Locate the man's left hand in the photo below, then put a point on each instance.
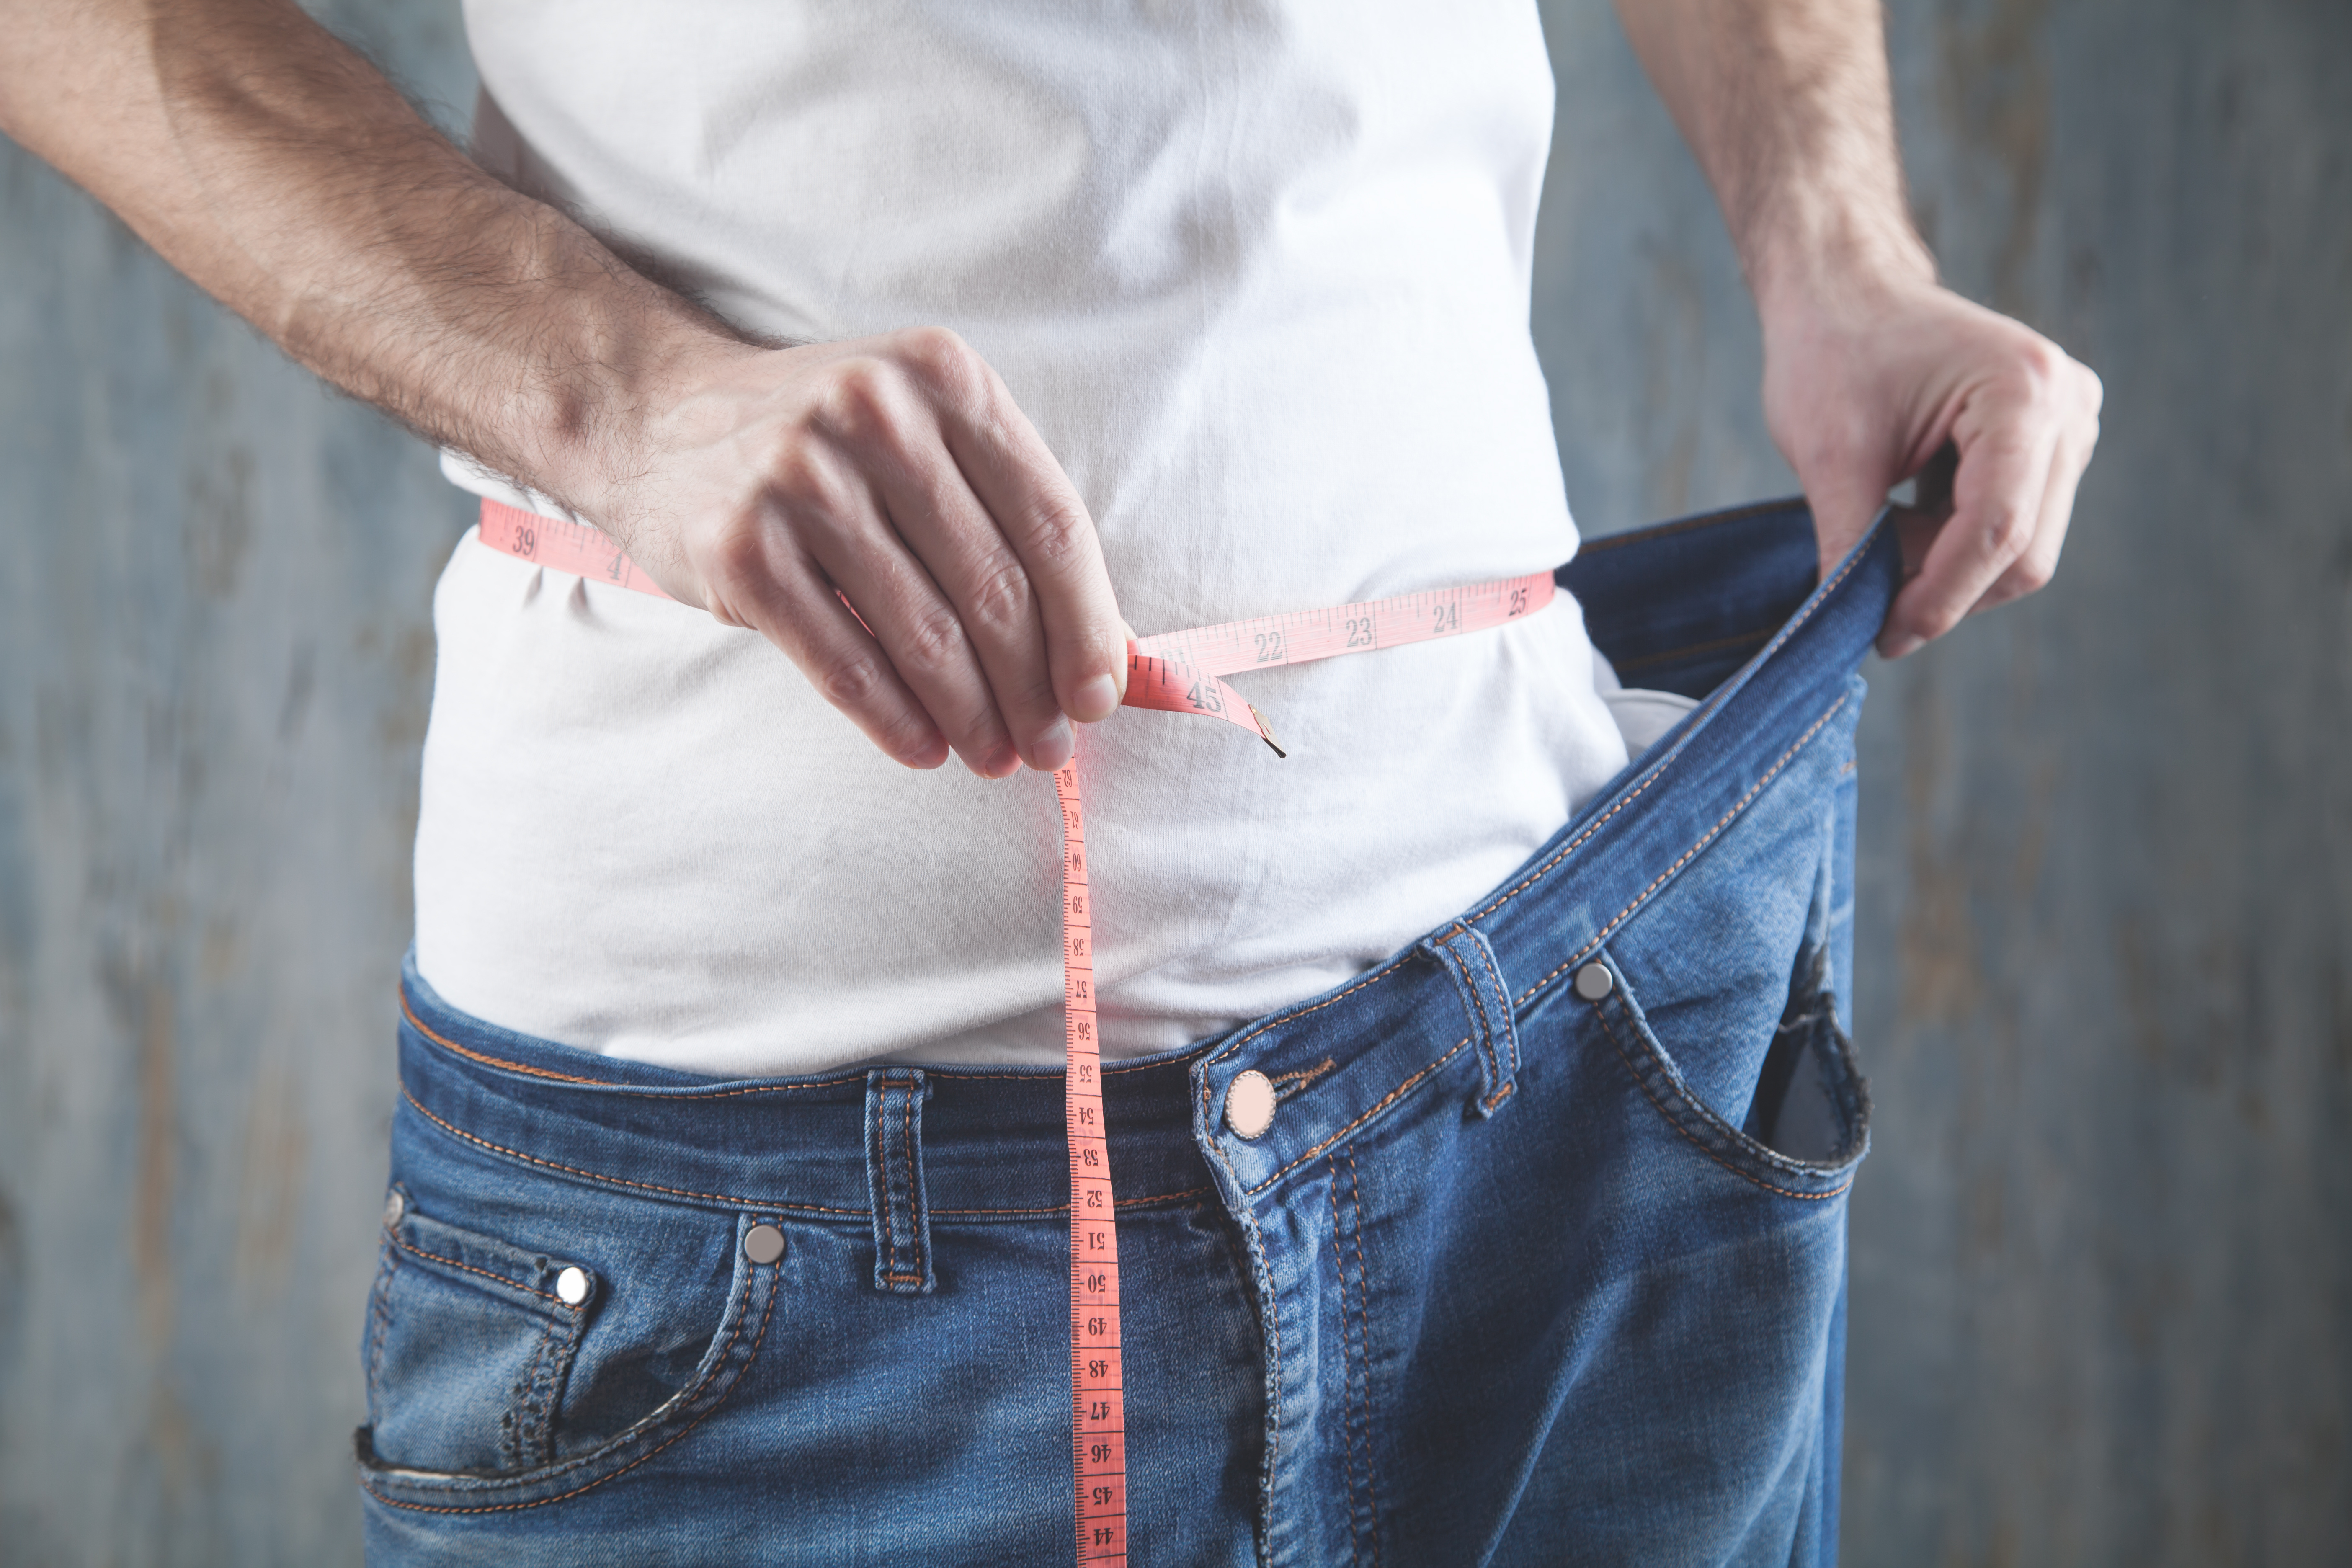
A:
(1863, 388)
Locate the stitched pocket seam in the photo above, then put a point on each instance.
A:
(640, 1432)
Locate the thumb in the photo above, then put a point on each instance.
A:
(1843, 502)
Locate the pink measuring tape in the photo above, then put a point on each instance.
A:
(1176, 672)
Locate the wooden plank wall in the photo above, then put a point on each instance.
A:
(2103, 1252)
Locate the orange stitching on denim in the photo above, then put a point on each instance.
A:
(1270, 1324)
(1577, 842)
(1064, 1208)
(1643, 1083)
(412, 1246)
(681, 1401)
(425, 1029)
(1273, 1324)
(1405, 1087)
(1487, 956)
(914, 1195)
(1474, 1005)
(1507, 1084)
(680, 1095)
(525, 1450)
(1304, 1076)
(621, 1181)
(877, 1151)
(1364, 1316)
(1372, 979)
(1035, 1074)
(1703, 840)
(1820, 596)
(382, 1309)
(761, 1203)
(775, 1289)
(1347, 1420)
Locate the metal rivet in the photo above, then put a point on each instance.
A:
(763, 1244)
(393, 1207)
(1593, 981)
(571, 1286)
(1249, 1103)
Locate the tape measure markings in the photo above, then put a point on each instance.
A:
(564, 546)
(1174, 672)
(1097, 1391)
(1300, 637)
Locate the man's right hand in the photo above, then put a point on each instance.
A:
(768, 485)
(282, 173)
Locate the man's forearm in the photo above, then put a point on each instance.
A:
(269, 162)
(1786, 105)
(284, 175)
(1870, 367)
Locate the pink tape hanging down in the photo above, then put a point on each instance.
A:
(1175, 672)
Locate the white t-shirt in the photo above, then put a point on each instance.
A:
(1261, 279)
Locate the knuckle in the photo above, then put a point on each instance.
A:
(943, 361)
(1001, 603)
(1933, 624)
(1055, 534)
(850, 681)
(905, 737)
(934, 640)
(737, 557)
(2036, 374)
(2033, 572)
(2008, 532)
(865, 406)
(799, 477)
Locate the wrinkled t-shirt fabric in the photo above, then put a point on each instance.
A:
(1261, 279)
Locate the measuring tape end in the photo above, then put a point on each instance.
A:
(1266, 731)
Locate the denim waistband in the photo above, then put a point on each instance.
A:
(1720, 606)
(1714, 608)
(990, 1139)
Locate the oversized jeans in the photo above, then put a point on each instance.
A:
(1542, 1260)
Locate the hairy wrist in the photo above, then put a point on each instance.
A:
(586, 355)
(1823, 257)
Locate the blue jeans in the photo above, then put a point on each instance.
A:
(1541, 1260)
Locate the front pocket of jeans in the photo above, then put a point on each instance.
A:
(1816, 1128)
(471, 1342)
(660, 1356)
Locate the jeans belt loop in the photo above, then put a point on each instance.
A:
(894, 1181)
(1464, 956)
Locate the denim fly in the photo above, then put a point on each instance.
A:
(1540, 1260)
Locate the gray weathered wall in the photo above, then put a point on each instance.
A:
(2102, 1303)
(2103, 1251)
(215, 654)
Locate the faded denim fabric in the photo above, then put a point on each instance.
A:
(1527, 1268)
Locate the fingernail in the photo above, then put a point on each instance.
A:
(1053, 747)
(1095, 699)
(1898, 646)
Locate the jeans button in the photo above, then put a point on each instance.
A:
(1593, 981)
(1249, 1103)
(763, 1244)
(571, 1286)
(393, 1207)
